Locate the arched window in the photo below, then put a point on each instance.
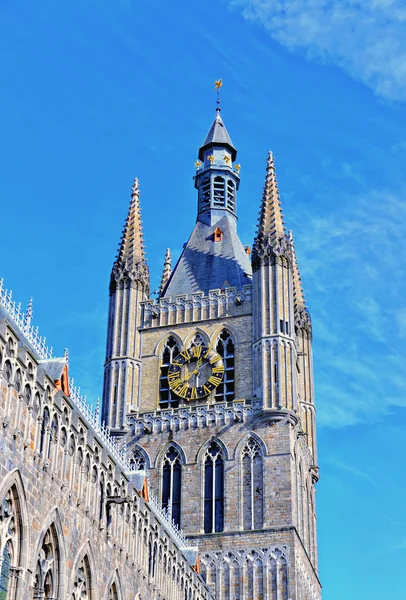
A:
(82, 585)
(166, 396)
(10, 540)
(8, 371)
(27, 394)
(218, 192)
(18, 380)
(10, 347)
(48, 567)
(171, 483)
(44, 427)
(137, 460)
(231, 194)
(53, 434)
(205, 194)
(213, 489)
(198, 341)
(6, 561)
(252, 485)
(113, 593)
(225, 347)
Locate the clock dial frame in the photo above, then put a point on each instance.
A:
(185, 375)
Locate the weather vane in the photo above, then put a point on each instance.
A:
(218, 84)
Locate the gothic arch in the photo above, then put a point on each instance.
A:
(136, 448)
(115, 583)
(84, 553)
(189, 338)
(232, 331)
(202, 450)
(160, 456)
(160, 345)
(244, 440)
(53, 526)
(18, 555)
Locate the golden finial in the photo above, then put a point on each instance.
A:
(218, 84)
(198, 164)
(227, 159)
(237, 168)
(211, 158)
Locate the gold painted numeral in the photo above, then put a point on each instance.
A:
(219, 369)
(214, 380)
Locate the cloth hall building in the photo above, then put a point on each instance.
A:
(196, 479)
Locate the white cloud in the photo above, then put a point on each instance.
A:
(366, 39)
(352, 263)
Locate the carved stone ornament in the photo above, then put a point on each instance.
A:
(303, 320)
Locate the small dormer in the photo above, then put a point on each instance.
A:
(218, 235)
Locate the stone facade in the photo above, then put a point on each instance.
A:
(236, 465)
(75, 521)
(206, 460)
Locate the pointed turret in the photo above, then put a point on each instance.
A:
(273, 304)
(217, 136)
(131, 254)
(129, 285)
(166, 273)
(209, 258)
(270, 225)
(298, 295)
(303, 331)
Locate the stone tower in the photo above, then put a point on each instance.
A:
(129, 286)
(219, 407)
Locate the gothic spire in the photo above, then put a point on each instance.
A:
(298, 295)
(270, 225)
(166, 273)
(131, 251)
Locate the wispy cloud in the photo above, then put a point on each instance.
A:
(353, 264)
(366, 39)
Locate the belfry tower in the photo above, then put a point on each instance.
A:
(212, 383)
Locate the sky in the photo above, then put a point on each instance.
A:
(95, 93)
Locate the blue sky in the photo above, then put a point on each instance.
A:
(96, 93)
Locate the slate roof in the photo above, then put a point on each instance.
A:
(206, 265)
(218, 136)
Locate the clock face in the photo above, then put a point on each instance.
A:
(196, 372)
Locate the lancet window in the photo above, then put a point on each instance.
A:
(44, 428)
(171, 483)
(48, 564)
(167, 397)
(137, 460)
(10, 540)
(225, 347)
(252, 485)
(81, 586)
(213, 489)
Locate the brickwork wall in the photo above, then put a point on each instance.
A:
(260, 559)
(56, 523)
